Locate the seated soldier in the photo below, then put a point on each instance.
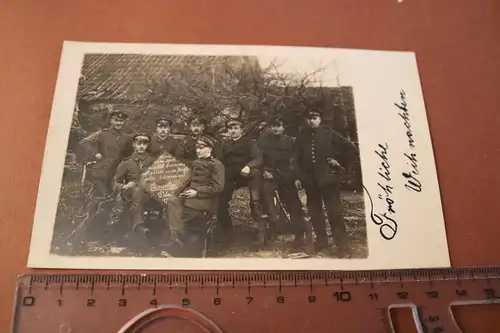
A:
(241, 159)
(127, 180)
(199, 198)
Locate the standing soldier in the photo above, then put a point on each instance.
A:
(127, 182)
(321, 152)
(197, 128)
(242, 160)
(162, 141)
(108, 147)
(280, 175)
(199, 198)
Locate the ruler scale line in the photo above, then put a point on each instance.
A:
(430, 291)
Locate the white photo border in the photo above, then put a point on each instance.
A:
(377, 78)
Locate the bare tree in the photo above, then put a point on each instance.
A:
(248, 92)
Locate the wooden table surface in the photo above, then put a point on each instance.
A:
(458, 51)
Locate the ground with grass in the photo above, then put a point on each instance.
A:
(74, 207)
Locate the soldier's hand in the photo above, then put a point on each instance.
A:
(267, 175)
(298, 185)
(128, 185)
(245, 171)
(98, 156)
(189, 193)
(332, 162)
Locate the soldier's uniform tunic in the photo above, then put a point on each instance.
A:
(278, 158)
(207, 178)
(188, 148)
(130, 170)
(235, 155)
(321, 182)
(159, 145)
(114, 146)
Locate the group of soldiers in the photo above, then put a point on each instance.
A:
(271, 164)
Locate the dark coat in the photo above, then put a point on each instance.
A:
(131, 169)
(113, 145)
(159, 146)
(207, 178)
(278, 154)
(187, 148)
(235, 155)
(314, 147)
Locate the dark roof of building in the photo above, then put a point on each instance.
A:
(125, 76)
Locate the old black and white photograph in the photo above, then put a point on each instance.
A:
(223, 156)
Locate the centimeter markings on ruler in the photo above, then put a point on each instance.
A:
(428, 292)
(269, 278)
(277, 280)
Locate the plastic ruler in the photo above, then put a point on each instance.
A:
(354, 302)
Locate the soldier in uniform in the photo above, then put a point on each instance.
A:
(108, 147)
(127, 182)
(242, 160)
(199, 198)
(279, 175)
(162, 141)
(197, 128)
(321, 153)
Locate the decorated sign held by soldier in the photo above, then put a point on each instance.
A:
(165, 176)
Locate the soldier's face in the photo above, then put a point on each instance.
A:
(196, 129)
(162, 130)
(203, 151)
(140, 146)
(313, 121)
(116, 122)
(277, 129)
(235, 131)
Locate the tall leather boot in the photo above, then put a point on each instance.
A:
(261, 218)
(343, 248)
(256, 208)
(136, 213)
(263, 234)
